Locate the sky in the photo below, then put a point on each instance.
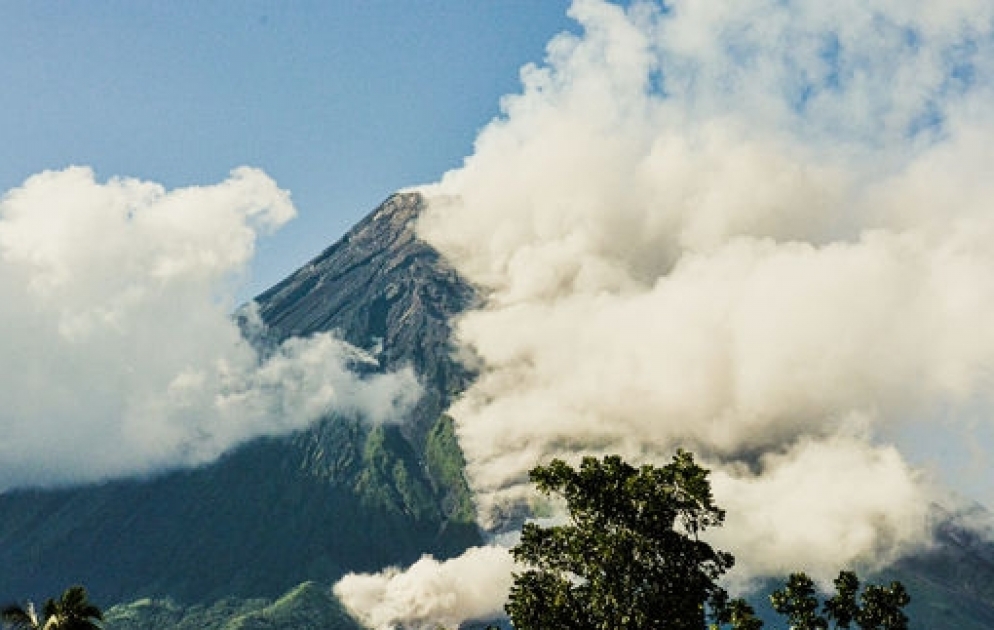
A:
(342, 103)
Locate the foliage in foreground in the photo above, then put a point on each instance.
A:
(631, 558)
(72, 611)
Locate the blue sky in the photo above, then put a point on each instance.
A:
(342, 102)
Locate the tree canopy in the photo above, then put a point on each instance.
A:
(876, 608)
(630, 557)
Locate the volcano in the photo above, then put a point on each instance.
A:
(256, 538)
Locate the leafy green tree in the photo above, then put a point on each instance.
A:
(798, 600)
(737, 613)
(630, 556)
(883, 607)
(877, 608)
(842, 606)
(72, 611)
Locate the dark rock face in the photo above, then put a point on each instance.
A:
(378, 282)
(339, 497)
(381, 286)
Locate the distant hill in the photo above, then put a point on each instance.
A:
(307, 606)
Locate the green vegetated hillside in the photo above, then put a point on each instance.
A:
(338, 498)
(308, 606)
(255, 539)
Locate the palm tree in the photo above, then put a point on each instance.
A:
(72, 611)
(20, 618)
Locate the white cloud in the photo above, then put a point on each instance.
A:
(759, 230)
(120, 355)
(819, 491)
(430, 593)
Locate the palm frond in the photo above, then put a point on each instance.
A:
(20, 617)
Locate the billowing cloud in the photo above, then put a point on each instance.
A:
(120, 355)
(865, 499)
(758, 230)
(431, 593)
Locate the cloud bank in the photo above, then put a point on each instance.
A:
(120, 355)
(758, 230)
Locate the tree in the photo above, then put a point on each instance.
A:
(629, 558)
(21, 617)
(72, 611)
(878, 608)
(799, 602)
